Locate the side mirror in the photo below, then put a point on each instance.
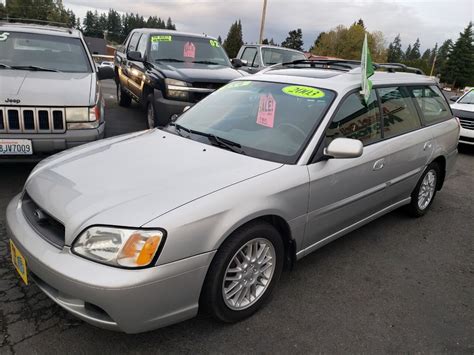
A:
(135, 56)
(344, 148)
(105, 73)
(454, 98)
(237, 63)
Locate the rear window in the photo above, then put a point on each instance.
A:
(431, 103)
(61, 53)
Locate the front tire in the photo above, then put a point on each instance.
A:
(425, 191)
(244, 272)
(150, 113)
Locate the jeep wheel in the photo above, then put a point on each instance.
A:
(123, 99)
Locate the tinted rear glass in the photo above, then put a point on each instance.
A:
(431, 103)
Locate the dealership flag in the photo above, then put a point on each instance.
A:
(367, 70)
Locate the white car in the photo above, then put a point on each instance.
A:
(106, 64)
(463, 108)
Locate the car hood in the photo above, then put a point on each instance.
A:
(130, 180)
(36, 88)
(463, 110)
(193, 72)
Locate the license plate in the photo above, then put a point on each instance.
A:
(19, 262)
(16, 147)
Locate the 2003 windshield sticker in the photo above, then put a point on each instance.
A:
(161, 39)
(4, 36)
(306, 92)
(266, 111)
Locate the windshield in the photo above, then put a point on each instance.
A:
(275, 55)
(20, 50)
(187, 49)
(265, 120)
(468, 98)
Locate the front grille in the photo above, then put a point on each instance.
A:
(213, 86)
(198, 96)
(45, 225)
(32, 120)
(466, 123)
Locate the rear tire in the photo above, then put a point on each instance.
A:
(123, 99)
(244, 272)
(425, 191)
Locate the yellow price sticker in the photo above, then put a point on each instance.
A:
(306, 92)
(160, 39)
(214, 43)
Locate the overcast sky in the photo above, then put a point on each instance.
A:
(430, 20)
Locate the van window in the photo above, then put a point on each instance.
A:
(249, 55)
(354, 119)
(132, 45)
(432, 104)
(399, 112)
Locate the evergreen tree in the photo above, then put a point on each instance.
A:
(415, 51)
(219, 39)
(294, 40)
(407, 55)
(114, 27)
(460, 63)
(91, 26)
(316, 42)
(361, 23)
(442, 58)
(234, 41)
(395, 53)
(426, 55)
(169, 24)
(44, 10)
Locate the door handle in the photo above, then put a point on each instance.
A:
(379, 164)
(427, 145)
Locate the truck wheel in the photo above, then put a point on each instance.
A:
(123, 99)
(425, 191)
(244, 272)
(150, 114)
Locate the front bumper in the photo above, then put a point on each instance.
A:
(466, 136)
(166, 108)
(50, 143)
(132, 301)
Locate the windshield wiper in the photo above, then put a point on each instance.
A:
(5, 66)
(225, 143)
(174, 60)
(33, 67)
(215, 140)
(180, 128)
(205, 62)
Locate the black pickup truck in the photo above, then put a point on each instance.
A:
(165, 71)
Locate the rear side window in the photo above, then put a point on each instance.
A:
(249, 55)
(431, 103)
(356, 120)
(132, 46)
(399, 112)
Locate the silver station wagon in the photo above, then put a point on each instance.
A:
(140, 231)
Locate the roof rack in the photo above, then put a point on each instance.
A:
(60, 26)
(346, 65)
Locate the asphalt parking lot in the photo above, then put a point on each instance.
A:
(396, 285)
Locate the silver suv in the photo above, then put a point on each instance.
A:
(50, 97)
(140, 231)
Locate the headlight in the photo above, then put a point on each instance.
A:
(84, 117)
(130, 248)
(177, 89)
(77, 114)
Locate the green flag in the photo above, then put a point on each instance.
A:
(367, 70)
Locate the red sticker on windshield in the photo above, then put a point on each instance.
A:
(189, 50)
(266, 111)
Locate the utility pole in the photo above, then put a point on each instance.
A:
(434, 62)
(262, 24)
